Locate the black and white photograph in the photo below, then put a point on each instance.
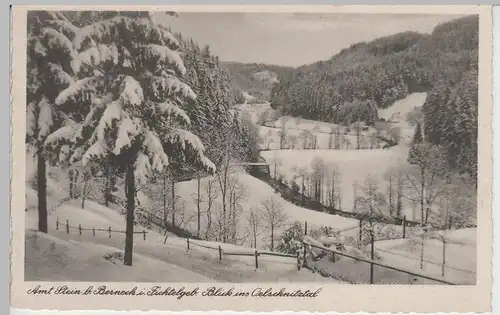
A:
(251, 147)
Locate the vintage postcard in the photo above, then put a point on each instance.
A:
(252, 158)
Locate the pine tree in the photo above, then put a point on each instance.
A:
(49, 67)
(417, 139)
(132, 68)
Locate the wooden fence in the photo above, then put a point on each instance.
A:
(82, 229)
(255, 254)
(371, 263)
(301, 261)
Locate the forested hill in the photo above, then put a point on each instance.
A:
(366, 76)
(256, 79)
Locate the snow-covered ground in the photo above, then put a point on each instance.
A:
(397, 113)
(354, 166)
(61, 256)
(50, 258)
(407, 255)
(460, 257)
(256, 192)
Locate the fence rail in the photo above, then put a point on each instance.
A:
(255, 254)
(82, 229)
(375, 263)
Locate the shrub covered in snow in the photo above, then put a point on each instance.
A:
(291, 240)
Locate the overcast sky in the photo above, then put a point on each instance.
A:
(289, 38)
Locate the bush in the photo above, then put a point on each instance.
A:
(291, 240)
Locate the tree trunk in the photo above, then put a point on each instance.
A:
(42, 193)
(357, 139)
(333, 191)
(390, 196)
(399, 201)
(129, 232)
(107, 186)
(173, 200)
(422, 190)
(303, 189)
(165, 210)
(71, 186)
(198, 205)
(272, 238)
(355, 197)
(234, 218)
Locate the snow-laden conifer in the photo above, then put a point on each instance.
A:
(51, 61)
(132, 70)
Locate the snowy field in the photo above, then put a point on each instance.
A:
(258, 191)
(398, 111)
(406, 254)
(59, 256)
(460, 258)
(354, 166)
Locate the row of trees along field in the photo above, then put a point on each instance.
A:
(119, 97)
(355, 82)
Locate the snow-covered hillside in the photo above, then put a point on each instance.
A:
(61, 256)
(256, 192)
(398, 112)
(354, 165)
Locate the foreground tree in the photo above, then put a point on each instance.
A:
(50, 60)
(131, 67)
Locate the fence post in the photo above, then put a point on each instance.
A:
(57, 223)
(298, 260)
(304, 256)
(372, 257)
(187, 239)
(360, 231)
(305, 228)
(80, 228)
(444, 257)
(109, 231)
(93, 231)
(220, 253)
(404, 226)
(67, 226)
(144, 234)
(256, 259)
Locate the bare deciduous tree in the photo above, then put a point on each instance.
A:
(254, 221)
(275, 163)
(318, 172)
(86, 186)
(372, 199)
(292, 140)
(333, 185)
(210, 190)
(273, 216)
(425, 178)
